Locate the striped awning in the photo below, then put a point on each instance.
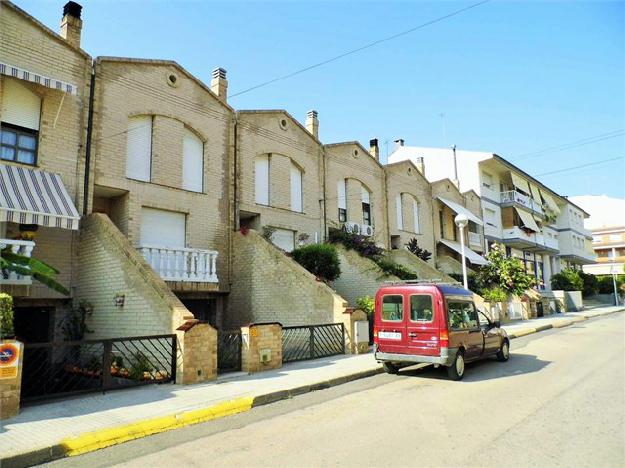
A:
(474, 257)
(29, 196)
(53, 83)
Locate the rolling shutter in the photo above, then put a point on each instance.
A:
(162, 228)
(139, 148)
(341, 193)
(415, 214)
(296, 188)
(192, 162)
(284, 239)
(20, 106)
(400, 215)
(261, 180)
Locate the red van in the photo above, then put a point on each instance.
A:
(433, 323)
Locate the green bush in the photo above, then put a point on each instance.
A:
(6, 316)
(391, 268)
(507, 273)
(494, 294)
(366, 304)
(606, 286)
(591, 284)
(322, 260)
(567, 280)
(364, 245)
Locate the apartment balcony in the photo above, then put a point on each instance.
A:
(512, 197)
(20, 247)
(533, 241)
(182, 265)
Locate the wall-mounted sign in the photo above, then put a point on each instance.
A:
(9, 359)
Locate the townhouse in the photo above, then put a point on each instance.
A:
(540, 227)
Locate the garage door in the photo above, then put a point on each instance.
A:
(162, 228)
(284, 239)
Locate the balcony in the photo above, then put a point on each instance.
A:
(182, 264)
(20, 247)
(534, 241)
(512, 197)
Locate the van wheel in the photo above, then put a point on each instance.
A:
(456, 370)
(504, 353)
(390, 368)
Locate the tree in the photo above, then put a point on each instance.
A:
(567, 280)
(505, 273)
(413, 246)
(29, 266)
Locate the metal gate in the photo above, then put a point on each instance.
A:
(52, 370)
(229, 351)
(313, 341)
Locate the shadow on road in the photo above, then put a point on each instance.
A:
(487, 369)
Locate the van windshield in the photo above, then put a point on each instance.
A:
(393, 308)
(421, 308)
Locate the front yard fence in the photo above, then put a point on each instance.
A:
(312, 341)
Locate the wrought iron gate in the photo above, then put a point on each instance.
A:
(64, 368)
(313, 341)
(229, 351)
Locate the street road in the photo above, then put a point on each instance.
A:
(559, 401)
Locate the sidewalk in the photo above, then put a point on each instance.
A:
(78, 425)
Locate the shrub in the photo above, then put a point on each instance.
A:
(364, 245)
(413, 246)
(494, 294)
(322, 260)
(567, 280)
(606, 285)
(506, 273)
(391, 268)
(366, 304)
(6, 316)
(591, 284)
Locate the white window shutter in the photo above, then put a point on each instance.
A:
(139, 148)
(296, 189)
(341, 194)
(162, 228)
(261, 180)
(365, 194)
(415, 215)
(192, 162)
(400, 215)
(20, 106)
(284, 239)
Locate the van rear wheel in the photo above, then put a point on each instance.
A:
(456, 370)
(390, 368)
(504, 353)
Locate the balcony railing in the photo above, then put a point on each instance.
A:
(20, 247)
(512, 196)
(182, 264)
(475, 239)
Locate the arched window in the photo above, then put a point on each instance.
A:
(261, 179)
(296, 188)
(139, 148)
(192, 162)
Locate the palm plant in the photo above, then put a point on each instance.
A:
(29, 266)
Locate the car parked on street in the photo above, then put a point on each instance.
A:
(434, 323)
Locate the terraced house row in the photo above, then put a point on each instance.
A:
(151, 194)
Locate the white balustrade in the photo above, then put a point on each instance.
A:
(182, 264)
(20, 247)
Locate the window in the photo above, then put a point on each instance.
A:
(366, 206)
(489, 216)
(461, 315)
(393, 308)
(415, 215)
(400, 214)
(341, 190)
(487, 180)
(615, 237)
(596, 239)
(162, 228)
(18, 144)
(284, 239)
(421, 309)
(139, 148)
(296, 188)
(261, 179)
(192, 162)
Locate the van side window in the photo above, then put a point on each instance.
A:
(421, 309)
(393, 308)
(462, 315)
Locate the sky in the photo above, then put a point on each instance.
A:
(513, 78)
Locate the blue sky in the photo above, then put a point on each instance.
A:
(510, 77)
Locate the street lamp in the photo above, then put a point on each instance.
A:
(461, 221)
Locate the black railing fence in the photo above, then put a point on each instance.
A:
(62, 368)
(229, 351)
(312, 341)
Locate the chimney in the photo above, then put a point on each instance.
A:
(420, 165)
(71, 24)
(374, 149)
(312, 123)
(399, 142)
(219, 84)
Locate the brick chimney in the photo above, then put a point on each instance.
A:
(374, 149)
(219, 84)
(312, 123)
(399, 142)
(420, 163)
(71, 24)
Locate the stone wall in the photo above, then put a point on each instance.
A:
(261, 347)
(422, 268)
(198, 359)
(268, 286)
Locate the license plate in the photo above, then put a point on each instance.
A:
(389, 335)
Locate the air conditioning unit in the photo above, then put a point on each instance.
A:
(352, 228)
(366, 230)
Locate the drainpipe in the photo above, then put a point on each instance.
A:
(456, 181)
(85, 201)
(324, 201)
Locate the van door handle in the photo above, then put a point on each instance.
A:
(412, 335)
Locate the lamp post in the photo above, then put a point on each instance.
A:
(461, 221)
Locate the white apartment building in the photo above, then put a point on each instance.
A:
(543, 229)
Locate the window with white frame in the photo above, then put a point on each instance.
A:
(261, 179)
(489, 217)
(415, 215)
(341, 190)
(19, 129)
(399, 212)
(192, 162)
(296, 188)
(615, 237)
(139, 148)
(487, 180)
(366, 206)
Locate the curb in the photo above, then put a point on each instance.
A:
(91, 441)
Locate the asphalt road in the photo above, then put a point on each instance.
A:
(559, 401)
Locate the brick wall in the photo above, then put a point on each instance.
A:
(268, 286)
(259, 339)
(423, 269)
